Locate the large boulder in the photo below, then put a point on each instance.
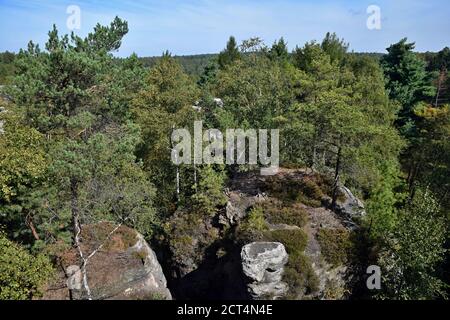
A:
(351, 206)
(263, 264)
(124, 267)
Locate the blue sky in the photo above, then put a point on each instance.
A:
(203, 26)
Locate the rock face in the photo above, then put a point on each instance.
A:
(351, 206)
(124, 268)
(1, 122)
(263, 264)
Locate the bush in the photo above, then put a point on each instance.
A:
(292, 215)
(300, 275)
(252, 227)
(21, 274)
(294, 240)
(294, 189)
(335, 245)
(187, 234)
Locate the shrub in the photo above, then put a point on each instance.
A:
(294, 240)
(310, 189)
(335, 245)
(294, 189)
(252, 227)
(285, 189)
(300, 275)
(188, 235)
(22, 275)
(292, 215)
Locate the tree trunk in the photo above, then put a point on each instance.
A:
(76, 234)
(178, 184)
(29, 222)
(75, 212)
(336, 179)
(314, 157)
(195, 178)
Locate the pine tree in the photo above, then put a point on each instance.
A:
(407, 81)
(229, 54)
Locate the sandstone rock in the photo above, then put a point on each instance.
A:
(218, 102)
(74, 277)
(351, 206)
(124, 268)
(263, 264)
(1, 122)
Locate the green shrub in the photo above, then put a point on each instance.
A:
(284, 189)
(292, 215)
(294, 189)
(22, 275)
(294, 240)
(335, 245)
(187, 234)
(300, 276)
(298, 273)
(310, 189)
(252, 227)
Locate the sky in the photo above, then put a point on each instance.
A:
(203, 26)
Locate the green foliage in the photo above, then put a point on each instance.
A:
(22, 161)
(229, 54)
(276, 213)
(209, 192)
(7, 68)
(253, 227)
(407, 80)
(21, 274)
(427, 159)
(341, 121)
(335, 245)
(187, 234)
(301, 277)
(336, 48)
(88, 138)
(279, 51)
(193, 65)
(415, 251)
(298, 273)
(163, 104)
(294, 240)
(78, 97)
(382, 212)
(256, 90)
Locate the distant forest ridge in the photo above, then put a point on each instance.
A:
(194, 65)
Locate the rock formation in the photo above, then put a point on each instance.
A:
(125, 267)
(263, 264)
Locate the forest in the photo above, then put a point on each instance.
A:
(85, 143)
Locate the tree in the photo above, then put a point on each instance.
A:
(21, 274)
(209, 194)
(382, 205)
(77, 96)
(336, 48)
(255, 90)
(23, 163)
(164, 104)
(427, 160)
(229, 54)
(409, 265)
(406, 80)
(346, 118)
(279, 51)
